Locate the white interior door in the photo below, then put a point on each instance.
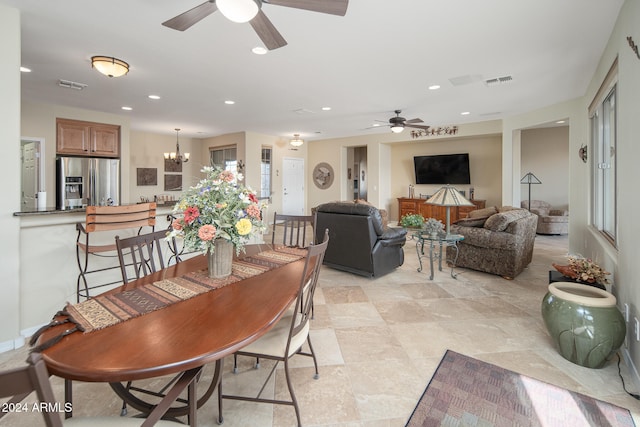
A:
(29, 174)
(292, 186)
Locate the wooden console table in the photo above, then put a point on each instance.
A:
(411, 206)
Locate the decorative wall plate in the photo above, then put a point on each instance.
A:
(323, 175)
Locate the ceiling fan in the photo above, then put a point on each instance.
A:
(397, 123)
(251, 11)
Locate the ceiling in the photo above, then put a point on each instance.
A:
(381, 56)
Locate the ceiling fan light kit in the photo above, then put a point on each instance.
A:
(239, 11)
(251, 11)
(397, 123)
(109, 66)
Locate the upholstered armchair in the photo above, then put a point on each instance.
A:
(550, 221)
(501, 243)
(358, 241)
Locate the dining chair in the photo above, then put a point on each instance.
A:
(143, 253)
(288, 336)
(18, 383)
(293, 229)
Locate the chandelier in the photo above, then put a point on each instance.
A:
(177, 157)
(296, 141)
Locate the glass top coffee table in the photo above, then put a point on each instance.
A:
(436, 244)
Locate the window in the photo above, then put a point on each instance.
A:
(225, 157)
(265, 173)
(603, 172)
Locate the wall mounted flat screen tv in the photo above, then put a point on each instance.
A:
(442, 169)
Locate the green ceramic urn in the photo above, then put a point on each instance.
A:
(584, 322)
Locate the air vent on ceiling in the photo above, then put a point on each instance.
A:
(498, 81)
(465, 80)
(71, 85)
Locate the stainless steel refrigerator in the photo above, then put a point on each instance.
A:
(87, 181)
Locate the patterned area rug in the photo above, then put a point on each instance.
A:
(468, 392)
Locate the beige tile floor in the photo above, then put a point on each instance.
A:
(379, 341)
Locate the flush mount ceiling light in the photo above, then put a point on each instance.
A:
(109, 66)
(177, 157)
(296, 141)
(239, 10)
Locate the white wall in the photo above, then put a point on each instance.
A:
(392, 154)
(10, 176)
(484, 165)
(147, 151)
(545, 153)
(623, 260)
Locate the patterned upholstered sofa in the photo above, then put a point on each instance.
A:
(496, 240)
(550, 221)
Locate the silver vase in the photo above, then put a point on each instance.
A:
(220, 259)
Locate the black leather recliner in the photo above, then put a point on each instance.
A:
(358, 243)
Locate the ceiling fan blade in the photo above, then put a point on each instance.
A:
(377, 127)
(332, 7)
(267, 32)
(417, 126)
(190, 17)
(414, 121)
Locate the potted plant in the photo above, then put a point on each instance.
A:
(217, 215)
(412, 221)
(433, 227)
(584, 270)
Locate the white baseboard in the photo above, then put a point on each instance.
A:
(633, 370)
(12, 345)
(20, 341)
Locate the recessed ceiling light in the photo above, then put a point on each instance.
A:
(154, 97)
(25, 70)
(259, 50)
(560, 122)
(465, 113)
(127, 108)
(375, 125)
(229, 102)
(434, 87)
(326, 108)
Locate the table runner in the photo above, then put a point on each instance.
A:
(107, 310)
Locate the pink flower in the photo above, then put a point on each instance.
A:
(176, 225)
(226, 176)
(253, 211)
(207, 232)
(190, 214)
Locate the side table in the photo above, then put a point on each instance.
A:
(436, 243)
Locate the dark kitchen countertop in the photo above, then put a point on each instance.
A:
(54, 211)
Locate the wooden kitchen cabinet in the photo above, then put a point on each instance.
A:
(411, 206)
(79, 138)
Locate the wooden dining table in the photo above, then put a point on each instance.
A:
(180, 338)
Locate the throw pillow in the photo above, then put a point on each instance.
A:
(500, 221)
(480, 213)
(471, 222)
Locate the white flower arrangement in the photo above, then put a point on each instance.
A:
(433, 226)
